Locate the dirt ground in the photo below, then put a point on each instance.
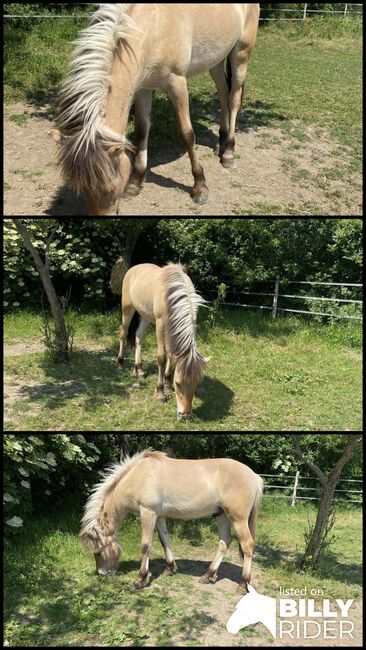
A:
(277, 173)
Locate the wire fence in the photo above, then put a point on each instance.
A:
(275, 297)
(300, 14)
(292, 485)
(305, 12)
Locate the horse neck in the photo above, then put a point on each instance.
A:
(124, 83)
(111, 515)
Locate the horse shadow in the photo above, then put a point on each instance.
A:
(193, 568)
(216, 398)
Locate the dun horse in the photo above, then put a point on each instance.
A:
(154, 486)
(166, 297)
(127, 52)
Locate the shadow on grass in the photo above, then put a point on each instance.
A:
(92, 377)
(253, 323)
(329, 567)
(193, 568)
(217, 400)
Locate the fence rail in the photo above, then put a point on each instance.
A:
(276, 295)
(295, 488)
(302, 13)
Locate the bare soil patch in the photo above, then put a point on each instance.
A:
(212, 605)
(277, 173)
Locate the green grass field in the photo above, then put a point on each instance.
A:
(282, 375)
(52, 596)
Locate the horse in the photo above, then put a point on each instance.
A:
(165, 296)
(154, 486)
(127, 52)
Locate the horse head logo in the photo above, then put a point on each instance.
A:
(253, 608)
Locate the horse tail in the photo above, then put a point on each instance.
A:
(135, 322)
(253, 515)
(252, 521)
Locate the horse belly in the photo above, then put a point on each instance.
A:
(207, 55)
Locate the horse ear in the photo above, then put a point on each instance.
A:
(55, 134)
(207, 360)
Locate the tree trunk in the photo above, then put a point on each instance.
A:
(58, 315)
(329, 484)
(124, 445)
(313, 548)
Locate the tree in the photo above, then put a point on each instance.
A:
(316, 539)
(62, 337)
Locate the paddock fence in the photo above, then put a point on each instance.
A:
(297, 488)
(276, 295)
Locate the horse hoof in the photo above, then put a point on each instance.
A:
(200, 199)
(208, 580)
(228, 163)
(119, 367)
(131, 192)
(139, 374)
(160, 399)
(242, 589)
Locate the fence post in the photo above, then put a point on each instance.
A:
(275, 297)
(346, 10)
(295, 489)
(305, 10)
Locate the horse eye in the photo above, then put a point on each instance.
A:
(98, 554)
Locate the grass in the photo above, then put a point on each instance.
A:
(281, 375)
(53, 598)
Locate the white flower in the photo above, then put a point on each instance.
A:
(16, 522)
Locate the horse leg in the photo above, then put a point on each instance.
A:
(140, 333)
(148, 521)
(178, 92)
(143, 101)
(171, 566)
(246, 546)
(224, 528)
(239, 59)
(127, 314)
(219, 77)
(167, 375)
(161, 360)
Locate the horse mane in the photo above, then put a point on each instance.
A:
(182, 304)
(83, 156)
(110, 477)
